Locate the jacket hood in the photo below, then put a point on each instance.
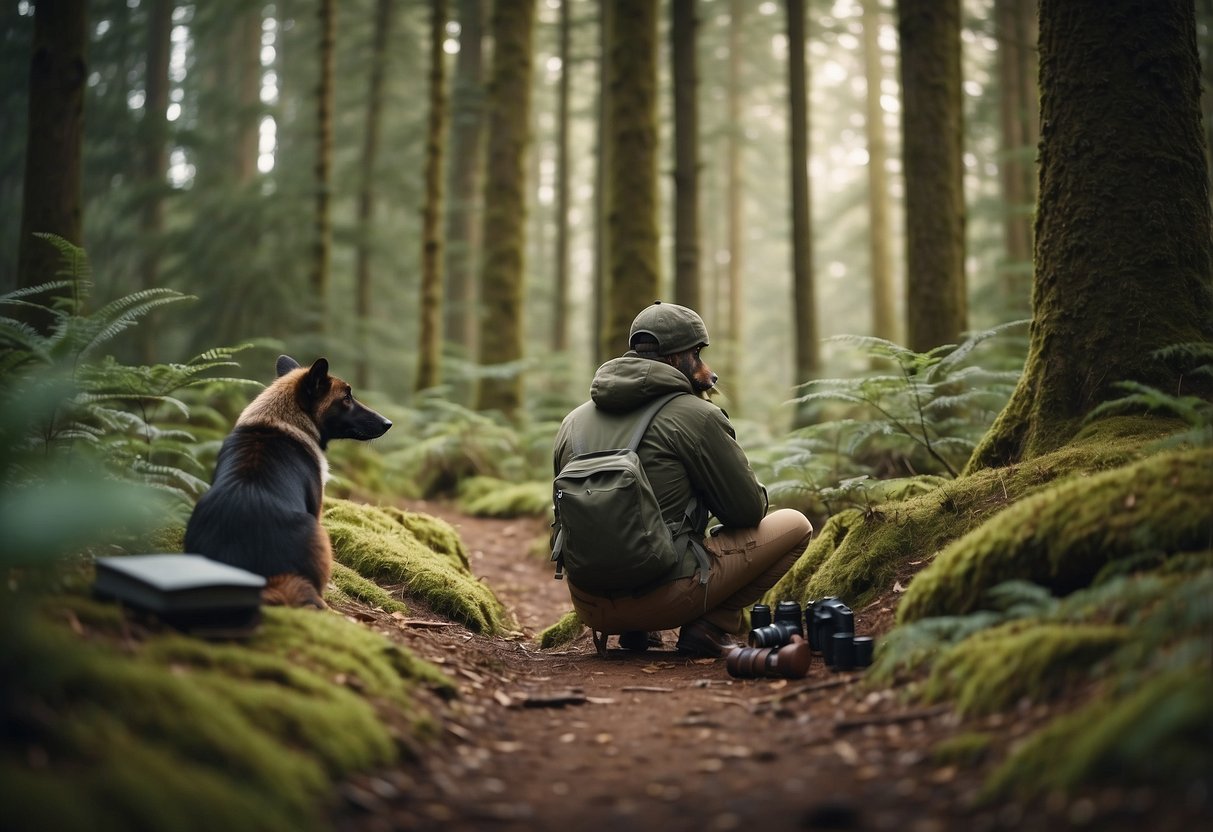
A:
(626, 383)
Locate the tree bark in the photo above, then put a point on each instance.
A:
(464, 180)
(154, 133)
(632, 193)
(932, 148)
(686, 153)
(429, 348)
(560, 317)
(735, 205)
(808, 361)
(884, 317)
(1013, 171)
(1123, 227)
(246, 39)
(501, 271)
(366, 189)
(598, 341)
(51, 202)
(323, 239)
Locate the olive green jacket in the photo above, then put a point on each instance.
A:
(689, 449)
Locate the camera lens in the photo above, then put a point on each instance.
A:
(864, 647)
(844, 651)
(760, 616)
(788, 611)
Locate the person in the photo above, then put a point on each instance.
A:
(689, 450)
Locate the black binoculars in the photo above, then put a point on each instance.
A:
(828, 627)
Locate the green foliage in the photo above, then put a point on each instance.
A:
(1192, 360)
(491, 497)
(888, 435)
(562, 632)
(89, 447)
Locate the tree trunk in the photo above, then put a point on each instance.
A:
(154, 158)
(429, 349)
(1013, 171)
(247, 42)
(632, 193)
(932, 147)
(323, 241)
(884, 318)
(501, 271)
(686, 153)
(735, 199)
(560, 317)
(1123, 227)
(51, 201)
(366, 190)
(598, 343)
(808, 362)
(464, 179)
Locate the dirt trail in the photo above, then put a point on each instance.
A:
(567, 740)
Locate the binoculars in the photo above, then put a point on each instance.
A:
(827, 627)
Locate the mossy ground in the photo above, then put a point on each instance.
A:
(562, 632)
(113, 725)
(422, 552)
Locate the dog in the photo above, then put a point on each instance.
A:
(262, 512)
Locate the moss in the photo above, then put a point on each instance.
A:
(562, 632)
(490, 497)
(1156, 732)
(378, 544)
(858, 553)
(1063, 536)
(173, 732)
(962, 749)
(352, 585)
(995, 668)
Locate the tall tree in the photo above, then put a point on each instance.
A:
(735, 203)
(501, 268)
(932, 147)
(1016, 102)
(246, 45)
(598, 345)
(1123, 242)
(429, 352)
(51, 202)
(685, 80)
(323, 238)
(560, 317)
(366, 187)
(632, 243)
(808, 359)
(464, 174)
(154, 130)
(884, 319)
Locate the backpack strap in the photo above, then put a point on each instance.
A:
(646, 419)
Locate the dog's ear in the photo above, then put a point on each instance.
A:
(317, 381)
(286, 364)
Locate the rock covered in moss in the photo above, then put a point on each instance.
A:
(562, 632)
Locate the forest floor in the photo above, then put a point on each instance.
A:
(567, 740)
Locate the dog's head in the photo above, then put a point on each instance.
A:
(329, 402)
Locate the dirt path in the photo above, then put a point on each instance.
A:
(566, 740)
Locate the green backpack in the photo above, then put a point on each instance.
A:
(609, 532)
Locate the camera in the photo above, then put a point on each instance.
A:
(783, 627)
(789, 661)
(829, 623)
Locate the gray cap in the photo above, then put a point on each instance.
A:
(675, 327)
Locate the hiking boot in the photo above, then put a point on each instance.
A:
(639, 641)
(703, 638)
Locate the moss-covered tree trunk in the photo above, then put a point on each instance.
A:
(465, 173)
(1016, 164)
(1123, 224)
(685, 73)
(808, 358)
(632, 251)
(429, 347)
(153, 159)
(501, 272)
(51, 202)
(932, 142)
(366, 189)
(884, 317)
(322, 242)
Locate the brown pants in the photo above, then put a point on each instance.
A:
(745, 564)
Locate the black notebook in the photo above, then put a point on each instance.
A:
(190, 592)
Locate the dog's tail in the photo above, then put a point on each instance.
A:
(291, 590)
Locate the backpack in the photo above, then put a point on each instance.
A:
(609, 531)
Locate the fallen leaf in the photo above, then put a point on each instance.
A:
(897, 587)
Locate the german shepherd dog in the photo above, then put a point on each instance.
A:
(262, 512)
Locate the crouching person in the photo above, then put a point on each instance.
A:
(639, 470)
